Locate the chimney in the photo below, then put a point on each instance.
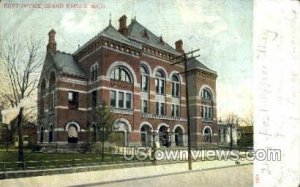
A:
(51, 47)
(178, 45)
(122, 25)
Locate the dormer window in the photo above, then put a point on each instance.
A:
(145, 34)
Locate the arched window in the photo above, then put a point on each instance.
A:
(144, 79)
(51, 89)
(160, 82)
(206, 104)
(52, 80)
(206, 94)
(175, 85)
(72, 134)
(120, 73)
(42, 102)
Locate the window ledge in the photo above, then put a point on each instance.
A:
(156, 116)
(122, 111)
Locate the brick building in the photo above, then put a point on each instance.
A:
(129, 69)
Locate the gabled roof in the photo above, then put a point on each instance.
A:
(193, 63)
(135, 32)
(67, 64)
(111, 33)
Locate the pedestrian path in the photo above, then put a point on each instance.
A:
(82, 178)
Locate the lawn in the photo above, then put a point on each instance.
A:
(34, 160)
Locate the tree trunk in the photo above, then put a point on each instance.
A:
(102, 146)
(20, 135)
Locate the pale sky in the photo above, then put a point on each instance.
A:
(221, 29)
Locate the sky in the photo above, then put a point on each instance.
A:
(221, 29)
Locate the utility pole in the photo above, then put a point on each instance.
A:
(184, 58)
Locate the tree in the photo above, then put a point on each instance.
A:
(105, 124)
(20, 61)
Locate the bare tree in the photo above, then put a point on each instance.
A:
(21, 61)
(105, 123)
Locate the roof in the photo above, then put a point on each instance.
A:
(67, 64)
(135, 32)
(111, 33)
(193, 63)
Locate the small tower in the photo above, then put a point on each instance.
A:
(51, 46)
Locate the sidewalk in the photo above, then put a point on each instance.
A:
(113, 175)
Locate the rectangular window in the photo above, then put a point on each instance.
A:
(128, 100)
(73, 100)
(162, 108)
(173, 89)
(144, 83)
(177, 90)
(202, 111)
(157, 108)
(157, 85)
(145, 106)
(121, 100)
(94, 98)
(210, 113)
(172, 110)
(177, 110)
(162, 86)
(113, 98)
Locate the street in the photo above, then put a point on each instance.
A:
(229, 176)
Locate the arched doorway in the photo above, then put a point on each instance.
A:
(146, 135)
(163, 135)
(207, 135)
(72, 133)
(121, 134)
(178, 136)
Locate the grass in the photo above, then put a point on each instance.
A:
(33, 160)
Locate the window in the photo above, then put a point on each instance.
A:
(73, 100)
(120, 99)
(206, 112)
(51, 102)
(174, 110)
(94, 98)
(128, 100)
(144, 79)
(113, 98)
(160, 82)
(206, 94)
(175, 85)
(120, 73)
(160, 108)
(145, 106)
(94, 72)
